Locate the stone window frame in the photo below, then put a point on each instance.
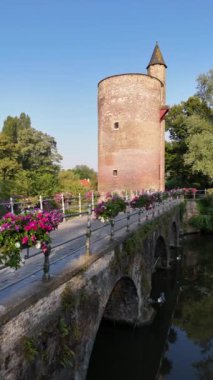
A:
(116, 125)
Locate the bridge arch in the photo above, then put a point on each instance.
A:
(122, 304)
(173, 238)
(160, 252)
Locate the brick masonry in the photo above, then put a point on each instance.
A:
(136, 147)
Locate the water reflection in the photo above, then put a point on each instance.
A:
(128, 353)
(193, 355)
(183, 349)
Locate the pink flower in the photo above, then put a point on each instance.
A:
(25, 240)
(33, 238)
(31, 226)
(44, 248)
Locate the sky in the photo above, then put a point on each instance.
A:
(53, 53)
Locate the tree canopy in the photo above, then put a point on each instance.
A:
(205, 87)
(29, 159)
(69, 182)
(84, 172)
(189, 157)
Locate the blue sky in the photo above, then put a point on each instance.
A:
(54, 52)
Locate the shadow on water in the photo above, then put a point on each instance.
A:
(127, 353)
(178, 344)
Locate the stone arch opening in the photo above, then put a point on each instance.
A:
(159, 275)
(160, 255)
(120, 314)
(122, 305)
(173, 235)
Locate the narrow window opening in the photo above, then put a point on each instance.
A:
(116, 125)
(115, 172)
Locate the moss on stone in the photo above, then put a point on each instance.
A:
(68, 299)
(30, 349)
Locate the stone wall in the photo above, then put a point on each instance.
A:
(52, 336)
(190, 210)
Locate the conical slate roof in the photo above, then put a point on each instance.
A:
(157, 58)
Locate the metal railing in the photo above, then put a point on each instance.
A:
(198, 194)
(86, 241)
(73, 205)
(66, 204)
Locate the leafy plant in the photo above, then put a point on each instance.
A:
(30, 229)
(143, 200)
(63, 328)
(66, 356)
(29, 348)
(204, 221)
(110, 208)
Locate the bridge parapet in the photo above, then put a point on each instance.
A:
(51, 332)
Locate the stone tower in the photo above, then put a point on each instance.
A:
(131, 110)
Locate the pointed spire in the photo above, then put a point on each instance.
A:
(157, 58)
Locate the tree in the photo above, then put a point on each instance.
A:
(205, 87)
(8, 158)
(37, 151)
(69, 182)
(13, 125)
(29, 158)
(180, 168)
(199, 143)
(84, 172)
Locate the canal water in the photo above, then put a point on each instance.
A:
(178, 345)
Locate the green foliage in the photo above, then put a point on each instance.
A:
(28, 159)
(110, 208)
(205, 205)
(197, 319)
(204, 221)
(68, 299)
(29, 348)
(84, 172)
(66, 356)
(188, 162)
(69, 182)
(199, 143)
(63, 328)
(31, 229)
(205, 87)
(9, 164)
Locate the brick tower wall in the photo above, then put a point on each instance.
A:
(158, 71)
(133, 146)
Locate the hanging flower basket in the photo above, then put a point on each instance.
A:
(25, 230)
(109, 209)
(143, 200)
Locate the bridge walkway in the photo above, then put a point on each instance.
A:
(68, 250)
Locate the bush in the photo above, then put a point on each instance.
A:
(203, 222)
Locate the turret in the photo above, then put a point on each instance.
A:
(157, 69)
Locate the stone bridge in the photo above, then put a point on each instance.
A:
(48, 331)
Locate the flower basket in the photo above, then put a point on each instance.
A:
(25, 230)
(143, 200)
(109, 209)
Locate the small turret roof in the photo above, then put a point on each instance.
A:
(157, 58)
